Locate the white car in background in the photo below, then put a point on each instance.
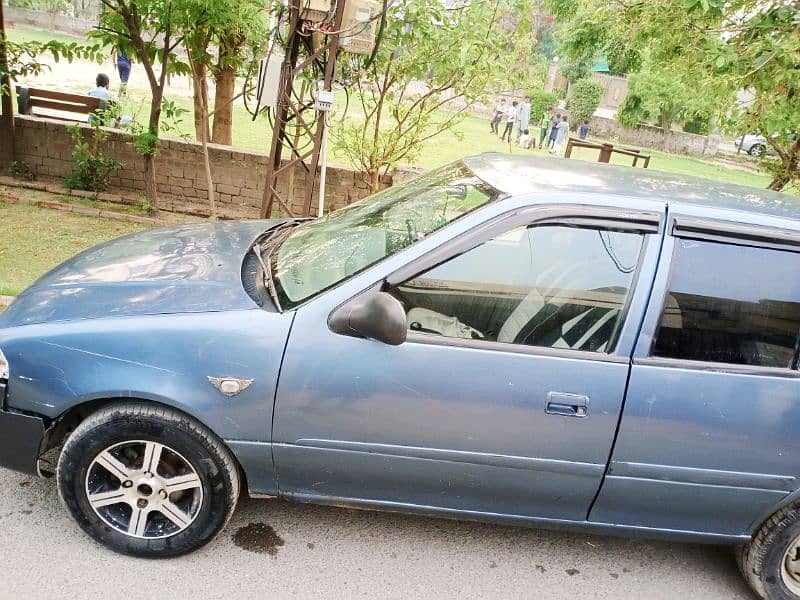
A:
(754, 144)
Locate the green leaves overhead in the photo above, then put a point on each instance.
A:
(711, 47)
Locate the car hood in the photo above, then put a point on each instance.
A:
(189, 268)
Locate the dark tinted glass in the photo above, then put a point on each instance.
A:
(554, 286)
(731, 304)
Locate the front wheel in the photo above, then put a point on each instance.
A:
(147, 481)
(771, 562)
(757, 150)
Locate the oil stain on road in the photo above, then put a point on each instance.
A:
(259, 538)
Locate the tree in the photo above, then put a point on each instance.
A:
(540, 102)
(584, 98)
(148, 29)
(432, 63)
(218, 34)
(720, 44)
(661, 94)
(21, 59)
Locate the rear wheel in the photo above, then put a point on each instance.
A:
(756, 150)
(771, 562)
(146, 480)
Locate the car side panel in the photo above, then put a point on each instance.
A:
(699, 449)
(166, 359)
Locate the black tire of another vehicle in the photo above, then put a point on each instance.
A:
(761, 560)
(124, 422)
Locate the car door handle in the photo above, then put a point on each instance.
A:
(567, 405)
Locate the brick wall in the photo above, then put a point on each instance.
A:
(45, 145)
(678, 142)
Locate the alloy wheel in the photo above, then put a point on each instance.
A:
(144, 489)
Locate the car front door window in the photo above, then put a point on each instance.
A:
(553, 286)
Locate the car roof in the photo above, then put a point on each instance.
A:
(524, 175)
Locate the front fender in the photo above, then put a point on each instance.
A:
(163, 358)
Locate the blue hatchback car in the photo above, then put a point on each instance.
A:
(521, 340)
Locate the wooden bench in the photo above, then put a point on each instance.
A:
(58, 105)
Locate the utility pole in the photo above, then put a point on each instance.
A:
(6, 101)
(302, 115)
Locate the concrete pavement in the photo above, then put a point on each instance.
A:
(272, 549)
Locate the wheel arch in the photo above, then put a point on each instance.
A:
(61, 427)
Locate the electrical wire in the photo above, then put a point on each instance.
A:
(378, 36)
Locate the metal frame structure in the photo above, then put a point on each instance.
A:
(302, 113)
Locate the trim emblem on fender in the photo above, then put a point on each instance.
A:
(230, 386)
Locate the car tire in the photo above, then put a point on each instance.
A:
(174, 480)
(770, 563)
(756, 150)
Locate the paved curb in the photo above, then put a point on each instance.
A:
(82, 210)
(54, 188)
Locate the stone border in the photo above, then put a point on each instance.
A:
(115, 198)
(82, 210)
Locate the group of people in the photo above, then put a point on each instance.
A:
(553, 126)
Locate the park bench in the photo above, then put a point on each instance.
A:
(58, 105)
(606, 150)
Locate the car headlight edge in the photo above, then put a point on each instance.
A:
(3, 366)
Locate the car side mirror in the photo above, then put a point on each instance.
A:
(374, 315)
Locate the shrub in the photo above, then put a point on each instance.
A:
(584, 98)
(92, 169)
(540, 102)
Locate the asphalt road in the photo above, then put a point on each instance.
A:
(273, 549)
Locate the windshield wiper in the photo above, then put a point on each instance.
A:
(267, 247)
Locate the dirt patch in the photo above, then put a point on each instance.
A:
(259, 538)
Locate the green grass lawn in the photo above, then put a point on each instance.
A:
(472, 136)
(16, 34)
(41, 238)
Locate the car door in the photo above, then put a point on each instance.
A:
(708, 440)
(506, 395)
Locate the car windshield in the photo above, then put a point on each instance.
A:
(325, 252)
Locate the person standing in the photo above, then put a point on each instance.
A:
(562, 131)
(544, 125)
(498, 116)
(523, 116)
(511, 118)
(583, 132)
(123, 64)
(553, 130)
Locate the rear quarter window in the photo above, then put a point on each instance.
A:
(731, 304)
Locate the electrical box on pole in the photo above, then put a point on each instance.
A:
(359, 26)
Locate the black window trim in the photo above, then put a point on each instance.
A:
(615, 219)
(732, 234)
(715, 367)
(738, 234)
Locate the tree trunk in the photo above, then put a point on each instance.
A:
(150, 186)
(225, 80)
(200, 100)
(375, 181)
(788, 171)
(204, 143)
(7, 100)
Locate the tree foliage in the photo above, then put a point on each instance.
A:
(584, 98)
(220, 38)
(147, 29)
(662, 95)
(540, 102)
(433, 62)
(727, 45)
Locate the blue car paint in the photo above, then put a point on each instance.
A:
(184, 269)
(482, 442)
(152, 315)
(185, 316)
